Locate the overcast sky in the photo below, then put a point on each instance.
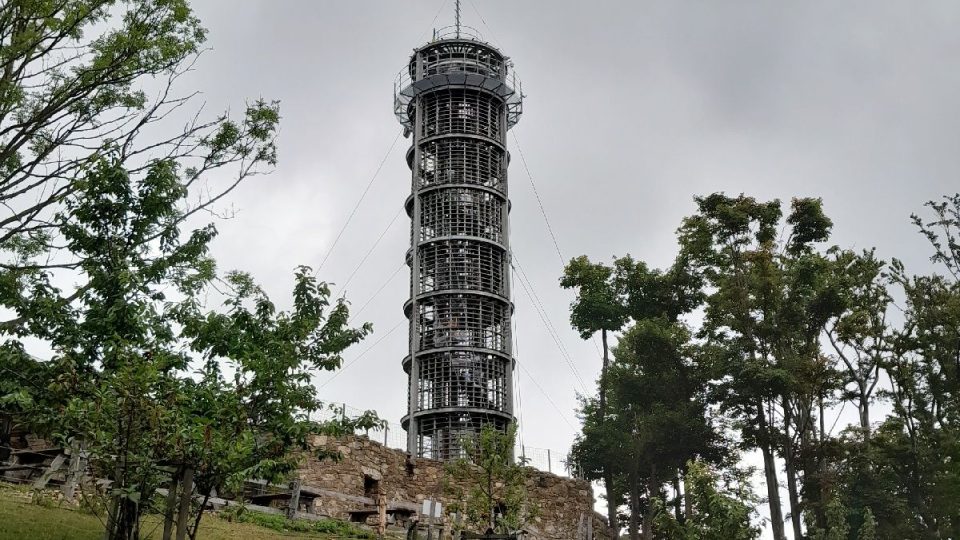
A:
(632, 109)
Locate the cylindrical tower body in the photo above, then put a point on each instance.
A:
(457, 102)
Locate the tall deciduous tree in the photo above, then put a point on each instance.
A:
(598, 307)
(128, 390)
(759, 330)
(657, 395)
(859, 334)
(86, 80)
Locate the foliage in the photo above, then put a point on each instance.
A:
(93, 82)
(599, 304)
(719, 514)
(790, 329)
(124, 386)
(769, 299)
(868, 530)
(608, 298)
(488, 487)
(98, 202)
(280, 523)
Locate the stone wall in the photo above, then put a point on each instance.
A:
(564, 504)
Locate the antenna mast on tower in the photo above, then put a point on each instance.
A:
(457, 13)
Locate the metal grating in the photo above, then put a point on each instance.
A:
(461, 211)
(462, 161)
(459, 56)
(461, 111)
(440, 436)
(463, 320)
(469, 379)
(462, 265)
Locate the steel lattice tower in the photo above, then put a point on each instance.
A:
(458, 97)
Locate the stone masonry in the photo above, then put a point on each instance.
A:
(564, 504)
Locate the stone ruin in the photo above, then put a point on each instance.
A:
(347, 489)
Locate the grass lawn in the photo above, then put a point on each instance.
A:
(20, 519)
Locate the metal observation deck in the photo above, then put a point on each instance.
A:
(457, 97)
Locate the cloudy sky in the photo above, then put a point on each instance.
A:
(632, 108)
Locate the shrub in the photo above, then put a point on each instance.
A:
(280, 523)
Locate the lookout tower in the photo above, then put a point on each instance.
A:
(457, 97)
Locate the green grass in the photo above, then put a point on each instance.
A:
(21, 519)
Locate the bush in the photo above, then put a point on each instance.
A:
(280, 523)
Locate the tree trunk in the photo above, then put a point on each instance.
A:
(168, 512)
(652, 488)
(613, 523)
(185, 496)
(688, 509)
(864, 411)
(493, 522)
(677, 499)
(602, 409)
(821, 468)
(634, 507)
(770, 474)
(790, 464)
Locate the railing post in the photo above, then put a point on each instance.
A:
(549, 465)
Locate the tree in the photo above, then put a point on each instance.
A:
(762, 317)
(659, 404)
(76, 78)
(859, 334)
(249, 414)
(720, 514)
(868, 530)
(598, 307)
(607, 298)
(490, 489)
(126, 381)
(924, 374)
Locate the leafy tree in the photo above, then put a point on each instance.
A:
(122, 359)
(860, 334)
(763, 314)
(924, 375)
(607, 298)
(490, 489)
(83, 81)
(657, 397)
(598, 307)
(868, 530)
(837, 527)
(255, 395)
(719, 513)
